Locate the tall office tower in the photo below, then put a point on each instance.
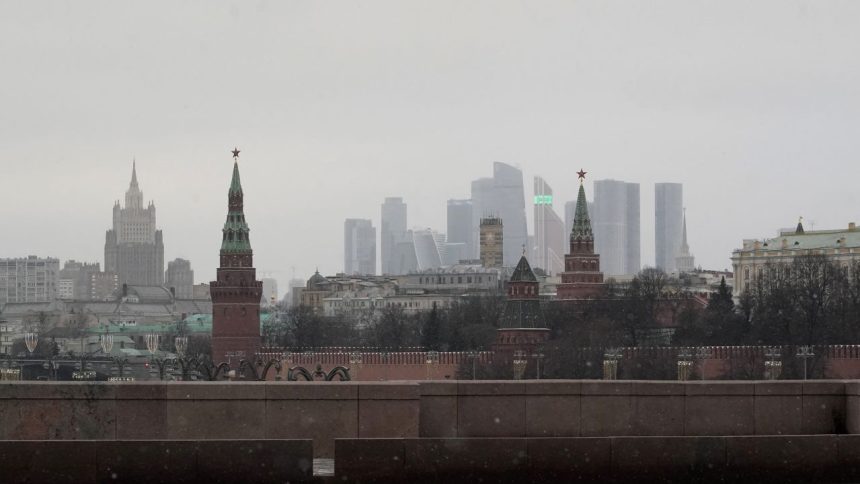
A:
(615, 218)
(503, 196)
(452, 253)
(134, 249)
(668, 212)
(548, 230)
(236, 293)
(359, 246)
(460, 228)
(685, 261)
(29, 280)
(581, 278)
(392, 232)
(180, 277)
(492, 240)
(404, 258)
(75, 276)
(426, 249)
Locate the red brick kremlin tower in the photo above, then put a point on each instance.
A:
(581, 278)
(522, 327)
(236, 293)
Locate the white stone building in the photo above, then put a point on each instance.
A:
(748, 262)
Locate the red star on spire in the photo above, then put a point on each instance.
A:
(581, 174)
(235, 152)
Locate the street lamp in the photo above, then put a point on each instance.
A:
(432, 358)
(31, 339)
(772, 364)
(685, 364)
(152, 343)
(610, 363)
(355, 360)
(806, 352)
(181, 344)
(473, 355)
(520, 362)
(538, 357)
(119, 362)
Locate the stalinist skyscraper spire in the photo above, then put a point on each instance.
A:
(134, 248)
(236, 293)
(684, 261)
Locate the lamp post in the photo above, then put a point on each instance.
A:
(152, 342)
(538, 356)
(685, 364)
(31, 339)
(118, 361)
(772, 364)
(520, 362)
(610, 363)
(385, 356)
(473, 355)
(355, 360)
(806, 352)
(432, 359)
(181, 345)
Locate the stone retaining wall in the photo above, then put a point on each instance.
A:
(58, 461)
(816, 458)
(618, 408)
(327, 411)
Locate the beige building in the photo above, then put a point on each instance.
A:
(491, 242)
(748, 262)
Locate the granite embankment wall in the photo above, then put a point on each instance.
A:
(446, 409)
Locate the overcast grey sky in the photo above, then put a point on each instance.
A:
(752, 105)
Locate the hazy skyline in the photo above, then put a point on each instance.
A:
(752, 106)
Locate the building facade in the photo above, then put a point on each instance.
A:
(359, 246)
(236, 292)
(460, 229)
(75, 279)
(549, 235)
(582, 278)
(392, 232)
(103, 286)
(841, 246)
(134, 248)
(492, 242)
(427, 253)
(615, 219)
(462, 279)
(180, 277)
(668, 214)
(29, 279)
(503, 196)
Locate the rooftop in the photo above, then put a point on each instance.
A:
(818, 239)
